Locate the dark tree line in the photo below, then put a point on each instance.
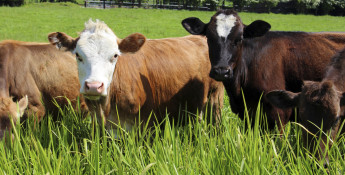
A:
(316, 7)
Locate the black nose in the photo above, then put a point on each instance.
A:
(221, 73)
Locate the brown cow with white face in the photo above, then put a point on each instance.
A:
(252, 59)
(321, 104)
(165, 75)
(36, 73)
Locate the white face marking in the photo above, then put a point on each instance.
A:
(96, 47)
(224, 24)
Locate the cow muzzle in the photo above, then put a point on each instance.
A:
(93, 90)
(221, 73)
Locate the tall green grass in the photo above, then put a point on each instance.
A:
(73, 145)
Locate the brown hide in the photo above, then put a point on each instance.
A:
(42, 73)
(280, 60)
(164, 75)
(321, 106)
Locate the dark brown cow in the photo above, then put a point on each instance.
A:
(164, 75)
(320, 104)
(41, 73)
(253, 59)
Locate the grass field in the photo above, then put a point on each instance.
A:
(76, 146)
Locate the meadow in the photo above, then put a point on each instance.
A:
(73, 145)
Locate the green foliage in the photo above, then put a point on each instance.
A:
(239, 4)
(11, 3)
(310, 4)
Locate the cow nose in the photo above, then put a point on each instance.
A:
(220, 73)
(94, 88)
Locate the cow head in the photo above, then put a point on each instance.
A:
(320, 106)
(10, 110)
(97, 50)
(225, 33)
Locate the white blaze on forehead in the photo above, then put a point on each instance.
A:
(97, 46)
(224, 24)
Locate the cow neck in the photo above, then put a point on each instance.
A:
(239, 79)
(336, 71)
(3, 77)
(3, 88)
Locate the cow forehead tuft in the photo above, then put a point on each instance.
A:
(97, 38)
(5, 101)
(225, 23)
(6, 104)
(316, 92)
(97, 27)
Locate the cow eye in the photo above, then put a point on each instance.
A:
(112, 60)
(237, 42)
(78, 57)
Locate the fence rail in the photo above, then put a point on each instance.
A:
(127, 4)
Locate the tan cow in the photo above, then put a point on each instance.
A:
(10, 110)
(38, 71)
(164, 75)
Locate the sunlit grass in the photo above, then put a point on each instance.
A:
(73, 145)
(33, 22)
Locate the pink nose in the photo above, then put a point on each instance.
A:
(94, 88)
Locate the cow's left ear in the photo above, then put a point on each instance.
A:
(131, 43)
(63, 41)
(256, 29)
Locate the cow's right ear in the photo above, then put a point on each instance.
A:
(283, 99)
(63, 41)
(194, 26)
(131, 43)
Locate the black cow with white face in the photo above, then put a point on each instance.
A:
(252, 59)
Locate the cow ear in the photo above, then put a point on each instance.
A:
(22, 105)
(132, 43)
(63, 41)
(194, 26)
(283, 99)
(256, 29)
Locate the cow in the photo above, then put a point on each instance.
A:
(321, 106)
(36, 75)
(163, 76)
(252, 60)
(10, 110)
